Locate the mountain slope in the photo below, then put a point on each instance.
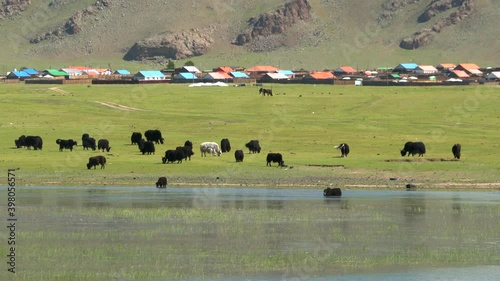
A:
(367, 34)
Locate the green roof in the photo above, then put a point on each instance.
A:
(55, 72)
(395, 75)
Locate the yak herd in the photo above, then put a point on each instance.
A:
(184, 152)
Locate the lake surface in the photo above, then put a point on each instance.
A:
(142, 233)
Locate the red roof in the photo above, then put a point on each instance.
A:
(79, 67)
(262, 68)
(346, 69)
(322, 75)
(225, 69)
(446, 66)
(460, 74)
(467, 66)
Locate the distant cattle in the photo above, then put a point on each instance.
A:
(103, 144)
(172, 156)
(33, 141)
(225, 145)
(239, 155)
(413, 148)
(264, 92)
(148, 148)
(330, 192)
(21, 141)
(210, 147)
(135, 137)
(344, 149)
(154, 136)
(162, 182)
(140, 144)
(253, 146)
(96, 160)
(66, 144)
(456, 150)
(88, 142)
(188, 143)
(187, 151)
(275, 158)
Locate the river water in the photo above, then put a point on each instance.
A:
(210, 233)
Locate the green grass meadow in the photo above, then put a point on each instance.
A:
(302, 122)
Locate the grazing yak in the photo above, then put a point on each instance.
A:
(154, 135)
(135, 137)
(66, 144)
(330, 192)
(188, 143)
(275, 158)
(187, 151)
(344, 149)
(413, 148)
(21, 141)
(96, 160)
(162, 182)
(239, 155)
(173, 155)
(210, 147)
(225, 145)
(456, 149)
(253, 146)
(88, 142)
(33, 141)
(103, 144)
(264, 92)
(148, 147)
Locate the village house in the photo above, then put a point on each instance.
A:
(459, 74)
(225, 69)
(319, 77)
(495, 76)
(273, 77)
(344, 70)
(290, 74)
(426, 69)
(218, 76)
(471, 69)
(405, 68)
(260, 70)
(50, 73)
(21, 75)
(445, 67)
(149, 75)
(185, 77)
(121, 72)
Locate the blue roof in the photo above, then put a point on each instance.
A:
(186, 75)
(151, 73)
(30, 71)
(286, 72)
(238, 74)
(409, 65)
(20, 74)
(122, 72)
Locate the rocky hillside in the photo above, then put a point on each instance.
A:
(9, 8)
(312, 32)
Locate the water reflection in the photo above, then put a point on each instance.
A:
(197, 232)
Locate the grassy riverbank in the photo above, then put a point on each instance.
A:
(302, 122)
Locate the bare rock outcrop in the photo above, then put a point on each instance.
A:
(74, 24)
(392, 7)
(10, 8)
(181, 45)
(275, 22)
(422, 37)
(439, 7)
